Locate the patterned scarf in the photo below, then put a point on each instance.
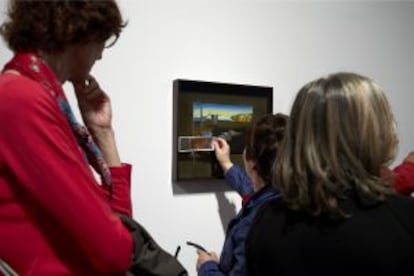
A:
(33, 67)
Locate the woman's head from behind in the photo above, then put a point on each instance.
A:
(340, 134)
(262, 142)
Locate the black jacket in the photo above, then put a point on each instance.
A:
(376, 240)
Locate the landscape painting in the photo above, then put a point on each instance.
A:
(203, 111)
(228, 121)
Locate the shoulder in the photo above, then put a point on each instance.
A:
(16, 87)
(20, 95)
(402, 204)
(273, 206)
(395, 212)
(270, 213)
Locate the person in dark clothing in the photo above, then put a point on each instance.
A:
(253, 185)
(337, 214)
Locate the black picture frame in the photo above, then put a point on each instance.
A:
(228, 111)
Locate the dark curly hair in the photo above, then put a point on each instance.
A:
(263, 138)
(53, 25)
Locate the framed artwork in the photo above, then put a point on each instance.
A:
(205, 110)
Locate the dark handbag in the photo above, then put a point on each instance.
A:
(148, 257)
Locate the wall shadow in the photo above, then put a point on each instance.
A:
(226, 209)
(199, 186)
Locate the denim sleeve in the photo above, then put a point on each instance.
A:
(210, 268)
(239, 251)
(239, 181)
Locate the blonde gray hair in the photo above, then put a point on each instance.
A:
(340, 135)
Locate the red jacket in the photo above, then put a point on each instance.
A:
(54, 217)
(404, 178)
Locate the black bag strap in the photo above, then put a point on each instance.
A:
(148, 257)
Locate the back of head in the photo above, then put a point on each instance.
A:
(340, 133)
(262, 142)
(51, 26)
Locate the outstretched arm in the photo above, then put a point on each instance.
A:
(235, 176)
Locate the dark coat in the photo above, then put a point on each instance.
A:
(232, 259)
(376, 240)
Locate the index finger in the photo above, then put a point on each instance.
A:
(220, 142)
(202, 252)
(81, 85)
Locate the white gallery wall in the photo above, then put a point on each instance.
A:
(282, 44)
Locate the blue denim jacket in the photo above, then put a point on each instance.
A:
(232, 260)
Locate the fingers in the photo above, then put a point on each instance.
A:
(215, 144)
(79, 86)
(204, 254)
(86, 85)
(202, 258)
(220, 143)
(205, 257)
(200, 252)
(89, 90)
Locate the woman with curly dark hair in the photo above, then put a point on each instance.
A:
(55, 219)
